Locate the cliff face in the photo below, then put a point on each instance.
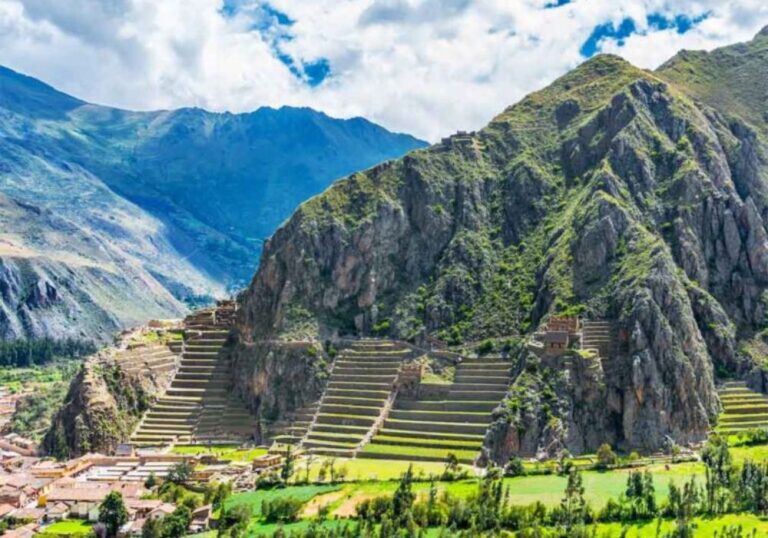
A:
(614, 193)
(103, 405)
(276, 378)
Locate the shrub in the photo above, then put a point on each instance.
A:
(281, 509)
(514, 467)
(605, 456)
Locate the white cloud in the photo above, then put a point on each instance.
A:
(428, 67)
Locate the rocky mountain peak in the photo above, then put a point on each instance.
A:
(614, 193)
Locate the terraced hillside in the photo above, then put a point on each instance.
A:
(155, 358)
(359, 393)
(743, 409)
(431, 429)
(198, 405)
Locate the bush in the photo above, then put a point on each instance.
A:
(606, 456)
(485, 347)
(281, 509)
(514, 467)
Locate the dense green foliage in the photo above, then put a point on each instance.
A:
(113, 513)
(36, 352)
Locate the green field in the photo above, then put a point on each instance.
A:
(705, 527)
(224, 452)
(253, 499)
(66, 528)
(370, 469)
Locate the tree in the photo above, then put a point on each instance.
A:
(402, 500)
(152, 528)
(718, 461)
(151, 481)
(287, 469)
(180, 472)
(234, 521)
(176, 525)
(573, 506)
(606, 456)
(112, 513)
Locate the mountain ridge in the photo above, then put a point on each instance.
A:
(183, 198)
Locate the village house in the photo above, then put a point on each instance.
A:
(165, 509)
(266, 461)
(201, 518)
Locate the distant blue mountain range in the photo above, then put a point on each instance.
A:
(182, 198)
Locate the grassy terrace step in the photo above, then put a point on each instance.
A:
(345, 420)
(341, 428)
(354, 400)
(374, 450)
(495, 386)
(428, 442)
(480, 380)
(476, 395)
(359, 386)
(725, 396)
(443, 427)
(334, 437)
(745, 409)
(441, 416)
(355, 410)
(309, 443)
(748, 417)
(444, 405)
(364, 378)
(469, 438)
(356, 393)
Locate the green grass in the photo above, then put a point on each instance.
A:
(253, 499)
(704, 526)
(67, 527)
(429, 441)
(419, 452)
(378, 469)
(224, 452)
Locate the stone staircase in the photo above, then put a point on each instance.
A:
(198, 406)
(429, 430)
(743, 409)
(359, 390)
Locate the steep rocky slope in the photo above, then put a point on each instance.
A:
(120, 216)
(614, 193)
(103, 405)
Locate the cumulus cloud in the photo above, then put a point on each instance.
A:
(428, 67)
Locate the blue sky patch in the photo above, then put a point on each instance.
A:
(317, 71)
(275, 28)
(607, 30)
(656, 22)
(681, 23)
(556, 3)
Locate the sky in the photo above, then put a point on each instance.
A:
(426, 67)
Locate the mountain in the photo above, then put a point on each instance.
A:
(618, 194)
(113, 216)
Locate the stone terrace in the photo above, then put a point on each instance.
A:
(743, 409)
(424, 429)
(199, 405)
